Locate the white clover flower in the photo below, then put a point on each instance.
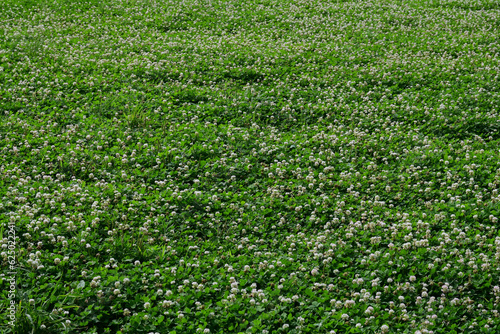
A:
(147, 305)
(384, 328)
(350, 303)
(116, 291)
(57, 260)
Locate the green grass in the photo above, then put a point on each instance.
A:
(272, 166)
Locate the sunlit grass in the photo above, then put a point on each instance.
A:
(251, 166)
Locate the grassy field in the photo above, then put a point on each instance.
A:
(257, 166)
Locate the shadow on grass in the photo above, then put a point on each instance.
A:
(468, 129)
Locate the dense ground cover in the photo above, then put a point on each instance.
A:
(272, 166)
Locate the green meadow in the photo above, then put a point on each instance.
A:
(257, 166)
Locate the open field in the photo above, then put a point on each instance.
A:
(258, 166)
